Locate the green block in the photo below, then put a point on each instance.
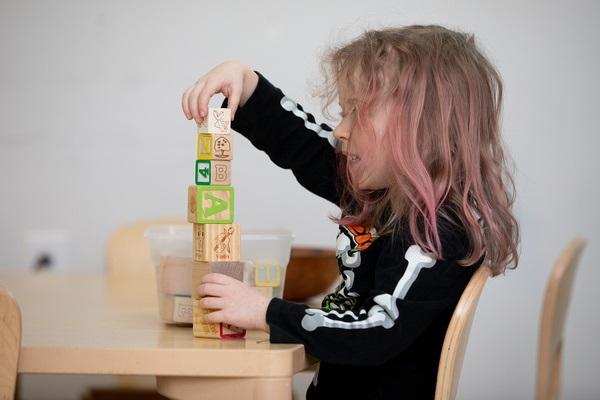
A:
(215, 204)
(203, 172)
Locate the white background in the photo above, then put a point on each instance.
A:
(92, 136)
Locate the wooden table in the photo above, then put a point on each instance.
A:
(91, 325)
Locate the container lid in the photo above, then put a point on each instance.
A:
(184, 232)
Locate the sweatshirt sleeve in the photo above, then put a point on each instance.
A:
(290, 137)
(411, 290)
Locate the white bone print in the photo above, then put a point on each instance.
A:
(385, 312)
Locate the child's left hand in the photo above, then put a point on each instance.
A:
(233, 302)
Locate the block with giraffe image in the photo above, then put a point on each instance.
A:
(216, 242)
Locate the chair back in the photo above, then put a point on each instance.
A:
(10, 343)
(457, 336)
(128, 251)
(552, 323)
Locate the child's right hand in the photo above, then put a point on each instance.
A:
(233, 79)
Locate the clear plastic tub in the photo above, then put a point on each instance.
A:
(265, 254)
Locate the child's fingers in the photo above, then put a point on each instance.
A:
(211, 303)
(214, 317)
(204, 96)
(233, 100)
(185, 103)
(210, 289)
(193, 101)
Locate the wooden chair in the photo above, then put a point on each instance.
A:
(10, 344)
(311, 273)
(457, 335)
(556, 301)
(128, 252)
(128, 258)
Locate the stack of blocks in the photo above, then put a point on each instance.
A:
(216, 241)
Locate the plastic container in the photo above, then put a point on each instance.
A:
(265, 254)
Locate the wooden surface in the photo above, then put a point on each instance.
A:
(457, 336)
(10, 343)
(554, 312)
(92, 325)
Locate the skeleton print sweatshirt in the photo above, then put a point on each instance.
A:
(379, 334)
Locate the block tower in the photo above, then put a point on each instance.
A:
(216, 238)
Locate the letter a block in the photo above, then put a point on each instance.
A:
(216, 242)
(218, 120)
(213, 172)
(215, 147)
(210, 204)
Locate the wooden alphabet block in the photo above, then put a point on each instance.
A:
(216, 242)
(210, 204)
(206, 330)
(212, 146)
(234, 269)
(267, 274)
(201, 328)
(218, 120)
(213, 172)
(174, 275)
(176, 309)
(231, 332)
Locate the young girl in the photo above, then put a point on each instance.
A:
(421, 182)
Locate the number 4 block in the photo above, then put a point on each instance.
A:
(210, 204)
(213, 172)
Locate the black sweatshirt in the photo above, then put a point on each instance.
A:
(379, 335)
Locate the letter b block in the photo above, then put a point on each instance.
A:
(213, 172)
(210, 204)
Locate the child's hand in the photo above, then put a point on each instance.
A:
(235, 80)
(234, 302)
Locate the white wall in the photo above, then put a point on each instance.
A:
(92, 137)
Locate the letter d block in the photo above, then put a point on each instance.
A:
(213, 172)
(210, 204)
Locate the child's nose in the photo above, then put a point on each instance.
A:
(341, 132)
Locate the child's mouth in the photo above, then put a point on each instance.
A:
(353, 157)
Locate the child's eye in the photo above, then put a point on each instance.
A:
(345, 114)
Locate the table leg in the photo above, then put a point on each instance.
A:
(184, 388)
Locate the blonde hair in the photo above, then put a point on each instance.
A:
(442, 136)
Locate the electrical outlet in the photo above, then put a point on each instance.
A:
(47, 249)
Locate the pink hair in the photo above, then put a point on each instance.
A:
(442, 139)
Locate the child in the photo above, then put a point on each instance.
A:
(423, 190)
